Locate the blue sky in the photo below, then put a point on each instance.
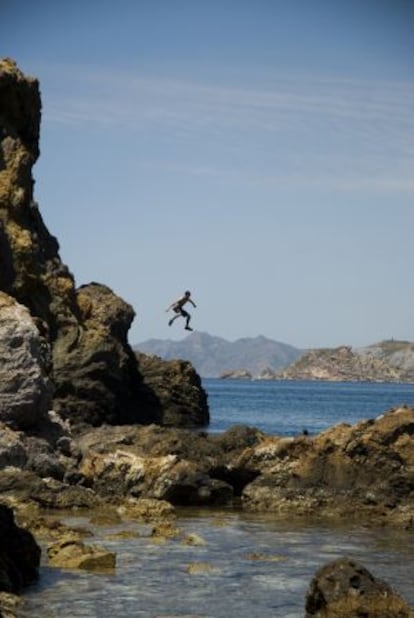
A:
(260, 154)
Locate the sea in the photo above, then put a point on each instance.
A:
(244, 565)
(289, 407)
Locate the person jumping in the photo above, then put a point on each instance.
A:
(177, 307)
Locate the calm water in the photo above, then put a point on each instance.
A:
(251, 566)
(286, 408)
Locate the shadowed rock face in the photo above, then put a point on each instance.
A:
(94, 369)
(178, 389)
(19, 554)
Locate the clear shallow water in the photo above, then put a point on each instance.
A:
(254, 566)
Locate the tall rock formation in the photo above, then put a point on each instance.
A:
(95, 371)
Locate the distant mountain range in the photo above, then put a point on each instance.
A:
(213, 356)
(259, 357)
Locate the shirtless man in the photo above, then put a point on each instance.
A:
(177, 307)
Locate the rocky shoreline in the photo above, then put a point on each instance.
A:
(146, 472)
(387, 361)
(86, 424)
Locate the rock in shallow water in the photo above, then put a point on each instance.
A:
(346, 589)
(71, 553)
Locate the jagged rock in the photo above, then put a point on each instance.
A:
(52, 494)
(35, 275)
(94, 369)
(178, 465)
(336, 471)
(12, 451)
(146, 509)
(19, 554)
(346, 589)
(151, 441)
(178, 388)
(166, 478)
(25, 389)
(331, 474)
(48, 492)
(46, 451)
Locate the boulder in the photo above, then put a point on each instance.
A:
(336, 471)
(152, 462)
(178, 389)
(95, 370)
(12, 451)
(346, 589)
(166, 478)
(146, 509)
(47, 492)
(25, 388)
(45, 450)
(178, 465)
(10, 605)
(19, 554)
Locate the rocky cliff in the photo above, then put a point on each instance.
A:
(81, 332)
(382, 362)
(398, 355)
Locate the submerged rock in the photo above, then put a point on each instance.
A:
(71, 553)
